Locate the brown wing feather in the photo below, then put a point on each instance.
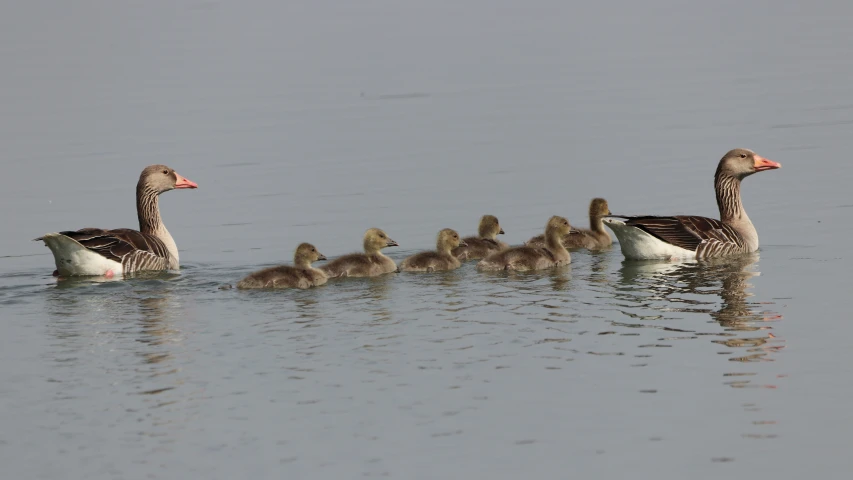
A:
(117, 244)
(685, 231)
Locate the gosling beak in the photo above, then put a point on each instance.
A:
(320, 256)
(574, 231)
(761, 164)
(501, 232)
(183, 182)
(391, 243)
(462, 243)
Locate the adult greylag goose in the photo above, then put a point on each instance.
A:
(368, 264)
(300, 275)
(594, 238)
(440, 259)
(687, 236)
(534, 258)
(484, 243)
(95, 251)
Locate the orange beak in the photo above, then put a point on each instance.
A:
(761, 164)
(184, 182)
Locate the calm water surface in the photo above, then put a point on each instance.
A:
(314, 121)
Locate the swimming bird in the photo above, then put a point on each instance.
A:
(368, 264)
(594, 238)
(484, 243)
(440, 259)
(300, 275)
(534, 258)
(647, 237)
(96, 251)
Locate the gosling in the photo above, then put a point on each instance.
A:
(594, 238)
(522, 258)
(485, 243)
(440, 259)
(300, 275)
(371, 263)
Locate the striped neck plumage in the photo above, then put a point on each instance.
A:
(729, 202)
(148, 209)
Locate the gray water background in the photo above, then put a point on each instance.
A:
(312, 121)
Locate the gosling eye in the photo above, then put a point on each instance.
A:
(313, 250)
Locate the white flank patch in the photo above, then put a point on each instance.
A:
(75, 259)
(639, 245)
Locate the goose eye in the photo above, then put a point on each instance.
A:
(742, 155)
(165, 172)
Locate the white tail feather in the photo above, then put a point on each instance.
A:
(75, 259)
(636, 244)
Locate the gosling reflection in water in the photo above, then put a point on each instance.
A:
(727, 278)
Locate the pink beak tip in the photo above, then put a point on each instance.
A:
(762, 163)
(184, 182)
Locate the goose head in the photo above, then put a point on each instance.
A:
(160, 178)
(741, 163)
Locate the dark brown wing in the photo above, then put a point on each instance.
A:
(685, 231)
(119, 244)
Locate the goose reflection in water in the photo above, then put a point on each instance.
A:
(687, 288)
(129, 335)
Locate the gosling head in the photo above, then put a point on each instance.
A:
(598, 208)
(490, 227)
(741, 163)
(558, 225)
(306, 254)
(375, 239)
(448, 239)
